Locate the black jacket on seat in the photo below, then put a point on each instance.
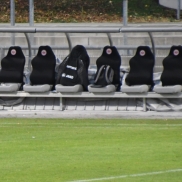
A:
(141, 67)
(12, 66)
(74, 68)
(172, 67)
(43, 67)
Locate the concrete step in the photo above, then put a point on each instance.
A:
(131, 43)
(91, 39)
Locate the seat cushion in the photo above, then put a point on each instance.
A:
(110, 56)
(43, 67)
(37, 88)
(141, 67)
(135, 88)
(167, 89)
(9, 87)
(172, 67)
(12, 66)
(106, 89)
(75, 88)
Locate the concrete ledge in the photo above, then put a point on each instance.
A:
(92, 114)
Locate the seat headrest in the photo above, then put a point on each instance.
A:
(175, 51)
(15, 52)
(144, 51)
(110, 52)
(45, 52)
(79, 48)
(77, 51)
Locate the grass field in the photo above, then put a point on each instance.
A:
(62, 150)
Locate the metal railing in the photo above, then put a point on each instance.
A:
(65, 30)
(178, 9)
(106, 30)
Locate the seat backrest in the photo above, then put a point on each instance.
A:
(141, 67)
(172, 67)
(12, 66)
(110, 56)
(74, 68)
(43, 67)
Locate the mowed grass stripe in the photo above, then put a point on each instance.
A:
(67, 150)
(90, 124)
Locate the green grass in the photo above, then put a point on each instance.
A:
(61, 150)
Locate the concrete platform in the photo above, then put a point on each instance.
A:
(92, 114)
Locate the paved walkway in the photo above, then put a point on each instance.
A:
(91, 114)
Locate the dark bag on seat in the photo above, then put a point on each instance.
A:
(104, 76)
(74, 68)
(108, 68)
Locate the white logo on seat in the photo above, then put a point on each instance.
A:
(71, 67)
(43, 52)
(67, 76)
(142, 53)
(176, 52)
(63, 75)
(13, 52)
(108, 51)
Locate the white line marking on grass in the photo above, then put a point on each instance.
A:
(94, 124)
(130, 175)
